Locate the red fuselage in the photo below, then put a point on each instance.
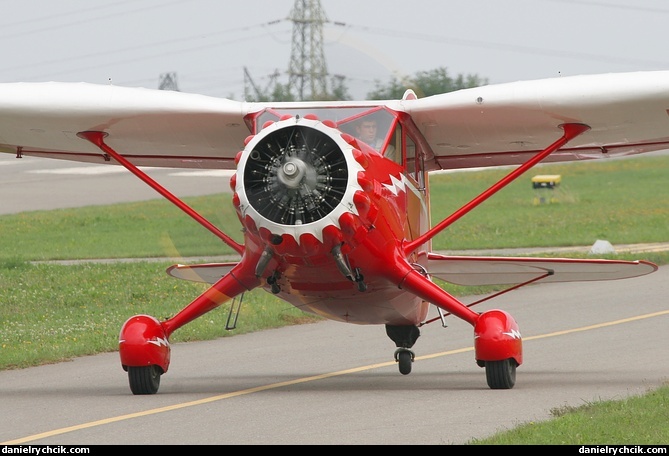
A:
(292, 208)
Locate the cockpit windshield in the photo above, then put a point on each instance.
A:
(373, 125)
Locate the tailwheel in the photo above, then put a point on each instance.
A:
(404, 357)
(144, 379)
(501, 374)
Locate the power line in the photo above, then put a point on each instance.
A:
(497, 45)
(80, 21)
(636, 7)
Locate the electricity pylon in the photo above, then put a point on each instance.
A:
(168, 81)
(307, 71)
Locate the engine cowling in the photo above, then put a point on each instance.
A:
(295, 187)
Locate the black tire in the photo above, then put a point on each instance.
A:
(501, 374)
(404, 360)
(144, 379)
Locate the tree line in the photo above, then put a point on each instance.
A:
(423, 83)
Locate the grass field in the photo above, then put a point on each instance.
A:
(52, 312)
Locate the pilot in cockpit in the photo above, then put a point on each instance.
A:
(367, 130)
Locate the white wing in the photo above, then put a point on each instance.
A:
(150, 127)
(485, 126)
(503, 124)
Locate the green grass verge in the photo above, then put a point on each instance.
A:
(636, 420)
(621, 201)
(51, 313)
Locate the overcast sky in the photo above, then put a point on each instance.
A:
(208, 43)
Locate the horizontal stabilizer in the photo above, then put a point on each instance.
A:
(206, 273)
(472, 271)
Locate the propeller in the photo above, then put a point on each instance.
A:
(295, 175)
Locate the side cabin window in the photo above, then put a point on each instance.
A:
(415, 163)
(393, 150)
(410, 149)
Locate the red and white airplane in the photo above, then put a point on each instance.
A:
(332, 225)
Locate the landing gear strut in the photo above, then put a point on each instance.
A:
(404, 337)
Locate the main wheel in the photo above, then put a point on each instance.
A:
(501, 374)
(144, 379)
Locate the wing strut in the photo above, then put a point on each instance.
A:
(571, 130)
(443, 314)
(97, 138)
